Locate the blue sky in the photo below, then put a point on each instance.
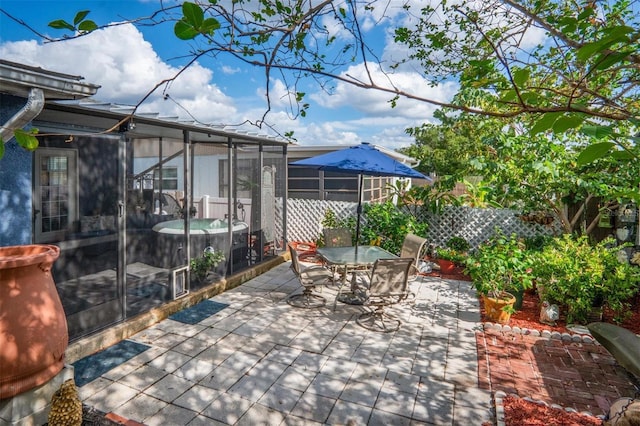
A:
(128, 61)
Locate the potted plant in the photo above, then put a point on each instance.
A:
(447, 258)
(459, 244)
(455, 253)
(583, 278)
(201, 266)
(499, 268)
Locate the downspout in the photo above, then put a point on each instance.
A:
(33, 107)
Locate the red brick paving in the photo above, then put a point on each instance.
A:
(580, 375)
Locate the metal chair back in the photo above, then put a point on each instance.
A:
(390, 280)
(337, 237)
(413, 247)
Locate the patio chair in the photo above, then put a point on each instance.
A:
(309, 278)
(337, 237)
(388, 285)
(413, 246)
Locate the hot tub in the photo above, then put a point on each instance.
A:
(170, 237)
(199, 226)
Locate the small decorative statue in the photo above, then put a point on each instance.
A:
(549, 313)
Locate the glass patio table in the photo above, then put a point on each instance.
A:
(353, 258)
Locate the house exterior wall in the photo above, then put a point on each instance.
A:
(15, 183)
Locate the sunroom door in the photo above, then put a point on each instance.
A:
(56, 194)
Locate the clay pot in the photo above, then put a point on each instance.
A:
(446, 266)
(494, 307)
(33, 326)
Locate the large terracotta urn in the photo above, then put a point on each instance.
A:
(33, 327)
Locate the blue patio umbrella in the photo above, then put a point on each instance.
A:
(363, 159)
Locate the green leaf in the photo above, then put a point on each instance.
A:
(622, 155)
(618, 32)
(87, 26)
(545, 122)
(598, 132)
(521, 76)
(1, 148)
(193, 14)
(607, 60)
(27, 140)
(184, 31)
(80, 16)
(508, 96)
(209, 26)
(587, 51)
(611, 36)
(567, 122)
(61, 24)
(594, 152)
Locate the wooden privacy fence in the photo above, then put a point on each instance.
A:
(476, 225)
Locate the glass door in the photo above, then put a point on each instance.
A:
(56, 193)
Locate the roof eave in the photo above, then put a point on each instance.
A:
(18, 80)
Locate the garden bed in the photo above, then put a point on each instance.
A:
(516, 409)
(528, 317)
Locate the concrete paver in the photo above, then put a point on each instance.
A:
(262, 361)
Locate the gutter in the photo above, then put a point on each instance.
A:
(33, 107)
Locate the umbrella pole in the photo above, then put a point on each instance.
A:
(359, 212)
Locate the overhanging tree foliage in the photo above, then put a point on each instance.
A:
(448, 149)
(561, 63)
(567, 60)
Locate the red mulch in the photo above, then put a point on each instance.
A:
(519, 412)
(528, 316)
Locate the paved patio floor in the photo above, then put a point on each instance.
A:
(261, 361)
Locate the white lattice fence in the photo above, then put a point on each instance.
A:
(473, 224)
(305, 217)
(477, 225)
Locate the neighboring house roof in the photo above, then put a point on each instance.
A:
(299, 151)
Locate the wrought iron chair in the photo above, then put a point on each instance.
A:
(388, 285)
(309, 277)
(414, 247)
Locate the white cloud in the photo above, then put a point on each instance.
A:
(126, 66)
(229, 70)
(377, 103)
(127, 74)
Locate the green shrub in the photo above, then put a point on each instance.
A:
(580, 276)
(500, 264)
(386, 225)
(458, 244)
